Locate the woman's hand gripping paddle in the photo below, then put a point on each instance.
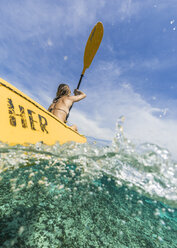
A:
(91, 47)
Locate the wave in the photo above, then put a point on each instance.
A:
(98, 194)
(146, 168)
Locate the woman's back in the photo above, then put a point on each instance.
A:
(63, 102)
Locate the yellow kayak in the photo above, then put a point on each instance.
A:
(24, 121)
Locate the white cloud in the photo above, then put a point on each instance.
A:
(89, 127)
(97, 114)
(30, 18)
(49, 43)
(140, 123)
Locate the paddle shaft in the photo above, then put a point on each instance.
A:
(80, 81)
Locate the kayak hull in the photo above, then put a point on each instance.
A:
(24, 121)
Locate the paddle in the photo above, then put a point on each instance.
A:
(91, 47)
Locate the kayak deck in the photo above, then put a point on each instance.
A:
(24, 121)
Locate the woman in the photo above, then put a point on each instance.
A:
(63, 102)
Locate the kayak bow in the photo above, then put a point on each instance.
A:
(24, 121)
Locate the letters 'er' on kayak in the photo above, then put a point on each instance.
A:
(24, 121)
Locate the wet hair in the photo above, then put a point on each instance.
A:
(63, 90)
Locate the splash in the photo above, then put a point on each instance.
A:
(145, 168)
(88, 195)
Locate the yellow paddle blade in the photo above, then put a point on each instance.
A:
(92, 45)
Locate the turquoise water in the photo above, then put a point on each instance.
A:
(94, 195)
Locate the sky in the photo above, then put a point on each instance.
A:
(134, 73)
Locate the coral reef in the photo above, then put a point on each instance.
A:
(54, 206)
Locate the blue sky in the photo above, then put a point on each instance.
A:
(133, 74)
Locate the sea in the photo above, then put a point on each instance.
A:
(117, 194)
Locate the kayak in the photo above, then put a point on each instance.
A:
(24, 121)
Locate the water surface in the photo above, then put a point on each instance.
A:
(115, 194)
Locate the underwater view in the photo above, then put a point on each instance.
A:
(114, 194)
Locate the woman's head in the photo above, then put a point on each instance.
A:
(63, 90)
